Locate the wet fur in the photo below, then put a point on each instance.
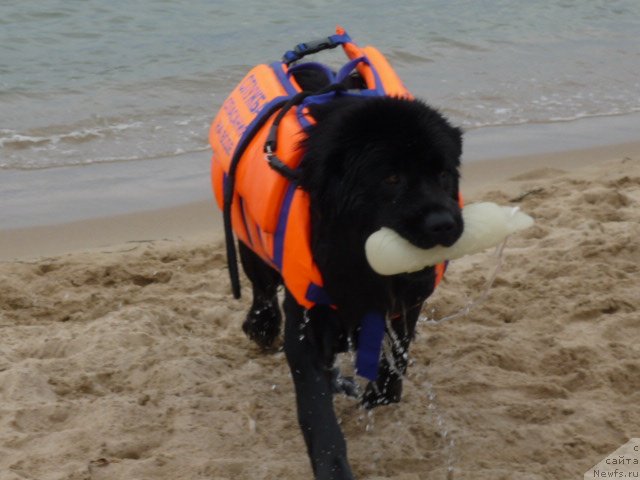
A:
(367, 164)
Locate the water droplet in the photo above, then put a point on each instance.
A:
(370, 421)
(448, 443)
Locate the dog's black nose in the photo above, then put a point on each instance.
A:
(439, 223)
(441, 227)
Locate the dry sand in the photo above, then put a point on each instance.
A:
(129, 363)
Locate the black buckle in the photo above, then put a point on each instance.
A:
(278, 165)
(314, 46)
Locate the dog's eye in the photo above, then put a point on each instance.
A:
(392, 179)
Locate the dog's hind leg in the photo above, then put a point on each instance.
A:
(393, 364)
(309, 345)
(262, 324)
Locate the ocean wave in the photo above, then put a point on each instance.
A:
(38, 165)
(513, 122)
(138, 141)
(10, 139)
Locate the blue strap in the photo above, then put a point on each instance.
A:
(348, 67)
(317, 294)
(341, 39)
(281, 228)
(370, 345)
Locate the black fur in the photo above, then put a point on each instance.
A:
(368, 163)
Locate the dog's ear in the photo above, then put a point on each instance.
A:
(323, 162)
(323, 148)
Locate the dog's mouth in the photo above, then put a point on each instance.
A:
(426, 243)
(437, 229)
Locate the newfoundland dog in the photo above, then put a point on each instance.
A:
(368, 163)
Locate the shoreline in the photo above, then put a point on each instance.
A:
(66, 194)
(202, 219)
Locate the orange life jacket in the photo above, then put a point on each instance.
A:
(268, 212)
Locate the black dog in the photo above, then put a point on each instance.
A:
(368, 163)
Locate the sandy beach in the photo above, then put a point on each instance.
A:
(122, 355)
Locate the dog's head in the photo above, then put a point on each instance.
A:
(386, 162)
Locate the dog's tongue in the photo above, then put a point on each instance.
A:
(485, 225)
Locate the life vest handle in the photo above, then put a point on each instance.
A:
(314, 46)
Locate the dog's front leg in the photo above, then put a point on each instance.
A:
(393, 364)
(308, 345)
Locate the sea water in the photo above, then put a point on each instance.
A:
(87, 82)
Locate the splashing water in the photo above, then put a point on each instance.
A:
(370, 421)
(448, 443)
(303, 325)
(391, 342)
(346, 365)
(471, 304)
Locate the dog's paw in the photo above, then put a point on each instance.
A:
(262, 325)
(382, 392)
